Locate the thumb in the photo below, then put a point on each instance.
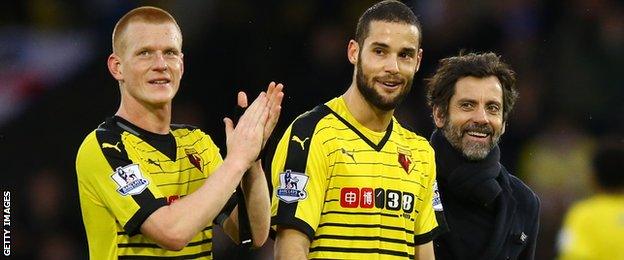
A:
(229, 127)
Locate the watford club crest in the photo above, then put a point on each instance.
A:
(405, 159)
(194, 158)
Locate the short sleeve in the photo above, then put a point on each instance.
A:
(426, 227)
(299, 178)
(108, 178)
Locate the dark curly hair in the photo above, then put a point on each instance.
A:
(441, 87)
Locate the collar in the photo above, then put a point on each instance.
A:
(474, 181)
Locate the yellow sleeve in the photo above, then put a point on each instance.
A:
(108, 178)
(299, 178)
(426, 221)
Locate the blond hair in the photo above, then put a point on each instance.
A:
(146, 14)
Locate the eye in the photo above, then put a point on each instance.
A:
(494, 109)
(378, 51)
(466, 105)
(406, 55)
(171, 53)
(143, 53)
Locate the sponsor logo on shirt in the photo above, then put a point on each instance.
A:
(130, 180)
(355, 197)
(292, 186)
(299, 141)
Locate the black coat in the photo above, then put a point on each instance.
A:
(489, 213)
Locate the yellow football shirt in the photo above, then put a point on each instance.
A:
(122, 179)
(356, 193)
(594, 229)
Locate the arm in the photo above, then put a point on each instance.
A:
(171, 226)
(255, 187)
(256, 193)
(291, 244)
(425, 251)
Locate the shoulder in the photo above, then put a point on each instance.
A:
(522, 193)
(305, 124)
(106, 132)
(183, 127)
(409, 134)
(312, 117)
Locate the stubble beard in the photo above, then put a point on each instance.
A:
(376, 99)
(472, 150)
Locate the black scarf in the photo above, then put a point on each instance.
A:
(473, 181)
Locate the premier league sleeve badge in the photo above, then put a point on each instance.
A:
(130, 180)
(292, 186)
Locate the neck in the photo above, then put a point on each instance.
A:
(153, 119)
(366, 113)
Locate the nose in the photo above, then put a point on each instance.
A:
(480, 116)
(160, 64)
(392, 65)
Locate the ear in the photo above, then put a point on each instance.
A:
(353, 51)
(504, 127)
(418, 59)
(438, 117)
(181, 64)
(114, 67)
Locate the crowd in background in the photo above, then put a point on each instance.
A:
(55, 88)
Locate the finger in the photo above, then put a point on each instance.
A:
(263, 118)
(242, 99)
(270, 89)
(252, 114)
(229, 127)
(276, 101)
(274, 114)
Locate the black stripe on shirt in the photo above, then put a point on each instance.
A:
(360, 250)
(378, 146)
(152, 245)
(365, 238)
(205, 229)
(119, 158)
(429, 236)
(191, 256)
(296, 161)
(330, 224)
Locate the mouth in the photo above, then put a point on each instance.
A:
(389, 83)
(478, 134)
(159, 82)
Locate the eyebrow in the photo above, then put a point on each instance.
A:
(495, 102)
(409, 50)
(380, 44)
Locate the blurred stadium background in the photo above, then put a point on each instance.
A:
(55, 88)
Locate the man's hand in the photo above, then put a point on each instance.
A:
(275, 96)
(245, 141)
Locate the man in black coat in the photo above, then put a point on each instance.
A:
(490, 214)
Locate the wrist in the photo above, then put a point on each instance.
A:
(235, 165)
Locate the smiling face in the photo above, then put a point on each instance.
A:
(386, 63)
(474, 121)
(149, 65)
